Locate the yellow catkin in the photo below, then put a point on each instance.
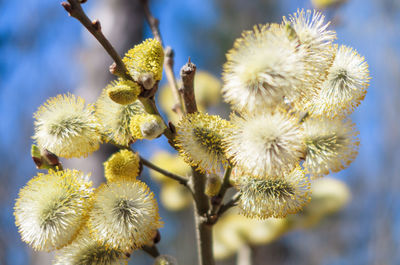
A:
(123, 91)
(146, 126)
(66, 126)
(124, 163)
(213, 184)
(51, 208)
(200, 141)
(274, 197)
(145, 58)
(124, 214)
(86, 250)
(114, 119)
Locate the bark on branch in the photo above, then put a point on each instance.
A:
(74, 9)
(187, 90)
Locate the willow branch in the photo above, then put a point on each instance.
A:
(203, 228)
(198, 184)
(180, 179)
(169, 72)
(153, 22)
(229, 204)
(169, 57)
(187, 90)
(74, 9)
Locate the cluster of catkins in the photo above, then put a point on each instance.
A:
(291, 90)
(60, 210)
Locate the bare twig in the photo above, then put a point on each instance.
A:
(153, 22)
(198, 183)
(74, 9)
(231, 203)
(169, 57)
(187, 90)
(180, 179)
(168, 68)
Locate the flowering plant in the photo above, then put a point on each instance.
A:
(291, 90)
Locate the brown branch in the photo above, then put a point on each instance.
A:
(168, 68)
(213, 219)
(180, 179)
(74, 9)
(231, 203)
(203, 228)
(169, 57)
(187, 90)
(198, 180)
(153, 22)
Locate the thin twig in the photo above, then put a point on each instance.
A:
(169, 57)
(187, 90)
(74, 9)
(180, 179)
(168, 68)
(231, 203)
(153, 22)
(201, 200)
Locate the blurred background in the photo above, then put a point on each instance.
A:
(43, 52)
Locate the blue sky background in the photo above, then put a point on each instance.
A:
(38, 59)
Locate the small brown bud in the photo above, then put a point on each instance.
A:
(67, 6)
(157, 237)
(51, 158)
(38, 162)
(172, 127)
(96, 25)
